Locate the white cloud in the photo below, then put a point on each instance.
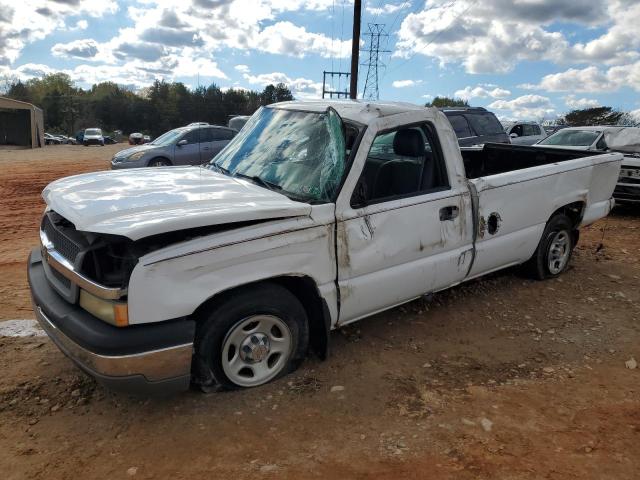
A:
(22, 23)
(635, 114)
(482, 91)
(242, 68)
(80, 25)
(592, 79)
(300, 87)
(387, 8)
(578, 103)
(168, 38)
(524, 107)
(85, 49)
(493, 36)
(405, 83)
(285, 38)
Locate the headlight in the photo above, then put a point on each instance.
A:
(135, 156)
(115, 313)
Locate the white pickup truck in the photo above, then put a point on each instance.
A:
(316, 215)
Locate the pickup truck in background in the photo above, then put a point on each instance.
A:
(525, 133)
(317, 214)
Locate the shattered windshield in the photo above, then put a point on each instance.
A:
(299, 154)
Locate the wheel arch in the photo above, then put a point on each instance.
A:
(573, 210)
(305, 289)
(159, 157)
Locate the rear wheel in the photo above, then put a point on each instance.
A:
(159, 162)
(554, 251)
(256, 335)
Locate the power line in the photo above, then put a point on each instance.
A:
(371, 86)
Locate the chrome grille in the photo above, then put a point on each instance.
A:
(67, 247)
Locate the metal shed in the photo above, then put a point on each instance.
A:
(21, 124)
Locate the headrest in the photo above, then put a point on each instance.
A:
(408, 143)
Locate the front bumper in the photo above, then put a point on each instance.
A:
(627, 193)
(92, 141)
(149, 359)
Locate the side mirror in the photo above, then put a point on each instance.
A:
(513, 135)
(182, 142)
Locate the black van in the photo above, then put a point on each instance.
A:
(475, 126)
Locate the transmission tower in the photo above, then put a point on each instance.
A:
(373, 64)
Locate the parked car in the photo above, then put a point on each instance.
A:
(51, 139)
(526, 133)
(108, 140)
(67, 140)
(182, 146)
(224, 274)
(93, 136)
(475, 126)
(580, 138)
(238, 122)
(136, 138)
(603, 139)
(146, 139)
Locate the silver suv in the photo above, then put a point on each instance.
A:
(191, 145)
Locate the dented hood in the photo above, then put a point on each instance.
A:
(143, 202)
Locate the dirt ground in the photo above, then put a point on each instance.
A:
(501, 378)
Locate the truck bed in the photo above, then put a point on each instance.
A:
(495, 158)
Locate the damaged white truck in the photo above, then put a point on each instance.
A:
(316, 215)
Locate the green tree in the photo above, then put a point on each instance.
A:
(275, 93)
(153, 110)
(441, 102)
(593, 116)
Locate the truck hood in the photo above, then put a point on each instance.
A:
(144, 202)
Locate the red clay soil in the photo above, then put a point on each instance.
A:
(500, 378)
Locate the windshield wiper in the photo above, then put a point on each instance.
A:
(260, 181)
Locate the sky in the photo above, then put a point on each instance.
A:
(523, 59)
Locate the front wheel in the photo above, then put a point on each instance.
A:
(554, 251)
(159, 162)
(256, 335)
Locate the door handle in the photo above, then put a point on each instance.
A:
(449, 213)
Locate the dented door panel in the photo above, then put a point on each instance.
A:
(394, 253)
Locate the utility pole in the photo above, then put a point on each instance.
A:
(376, 30)
(355, 48)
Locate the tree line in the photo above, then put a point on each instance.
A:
(152, 110)
(592, 116)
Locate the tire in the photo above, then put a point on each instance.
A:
(237, 342)
(554, 251)
(159, 162)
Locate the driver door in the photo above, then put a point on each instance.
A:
(403, 232)
(189, 153)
